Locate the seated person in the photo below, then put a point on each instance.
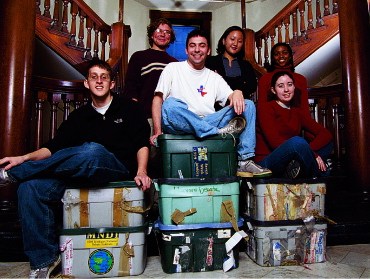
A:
(230, 64)
(105, 140)
(184, 104)
(282, 60)
(279, 123)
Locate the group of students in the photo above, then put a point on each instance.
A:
(110, 138)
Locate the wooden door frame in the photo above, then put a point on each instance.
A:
(201, 19)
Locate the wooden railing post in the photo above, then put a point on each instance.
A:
(355, 43)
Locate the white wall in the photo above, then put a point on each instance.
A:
(137, 16)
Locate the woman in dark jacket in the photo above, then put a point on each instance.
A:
(230, 64)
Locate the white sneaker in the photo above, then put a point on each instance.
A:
(248, 168)
(45, 271)
(236, 125)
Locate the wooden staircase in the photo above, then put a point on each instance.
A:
(294, 24)
(77, 34)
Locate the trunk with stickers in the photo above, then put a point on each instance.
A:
(284, 199)
(194, 201)
(103, 252)
(287, 244)
(199, 247)
(117, 204)
(185, 156)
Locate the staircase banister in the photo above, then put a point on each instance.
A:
(58, 85)
(330, 91)
(277, 19)
(102, 26)
(249, 51)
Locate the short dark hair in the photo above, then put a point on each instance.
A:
(272, 66)
(154, 25)
(221, 47)
(95, 62)
(198, 33)
(296, 100)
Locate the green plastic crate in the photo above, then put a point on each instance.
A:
(195, 247)
(205, 195)
(189, 156)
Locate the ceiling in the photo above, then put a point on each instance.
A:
(205, 5)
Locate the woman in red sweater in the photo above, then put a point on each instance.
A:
(280, 121)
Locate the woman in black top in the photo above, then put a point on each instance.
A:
(230, 64)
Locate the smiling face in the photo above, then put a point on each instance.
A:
(161, 37)
(233, 43)
(99, 83)
(284, 89)
(281, 56)
(197, 50)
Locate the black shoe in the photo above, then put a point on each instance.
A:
(293, 169)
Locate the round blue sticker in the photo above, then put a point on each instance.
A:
(101, 261)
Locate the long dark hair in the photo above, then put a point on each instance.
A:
(296, 100)
(221, 47)
(154, 25)
(272, 66)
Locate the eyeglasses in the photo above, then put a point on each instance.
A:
(166, 32)
(103, 77)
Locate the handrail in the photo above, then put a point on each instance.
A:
(277, 19)
(93, 16)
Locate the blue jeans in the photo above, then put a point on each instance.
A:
(42, 183)
(296, 148)
(178, 119)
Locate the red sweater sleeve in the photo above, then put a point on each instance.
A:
(322, 136)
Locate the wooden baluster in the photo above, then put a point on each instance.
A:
(96, 42)
(302, 25)
(47, 9)
(272, 37)
(309, 15)
(53, 115)
(326, 8)
(103, 40)
(324, 117)
(89, 25)
(259, 51)
(266, 47)
(38, 10)
(287, 33)
(335, 6)
(337, 142)
(313, 109)
(85, 100)
(81, 31)
(55, 23)
(295, 27)
(77, 103)
(41, 98)
(280, 35)
(72, 36)
(66, 106)
(319, 21)
(65, 17)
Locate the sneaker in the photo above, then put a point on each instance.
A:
(236, 125)
(293, 169)
(248, 168)
(329, 164)
(45, 271)
(4, 177)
